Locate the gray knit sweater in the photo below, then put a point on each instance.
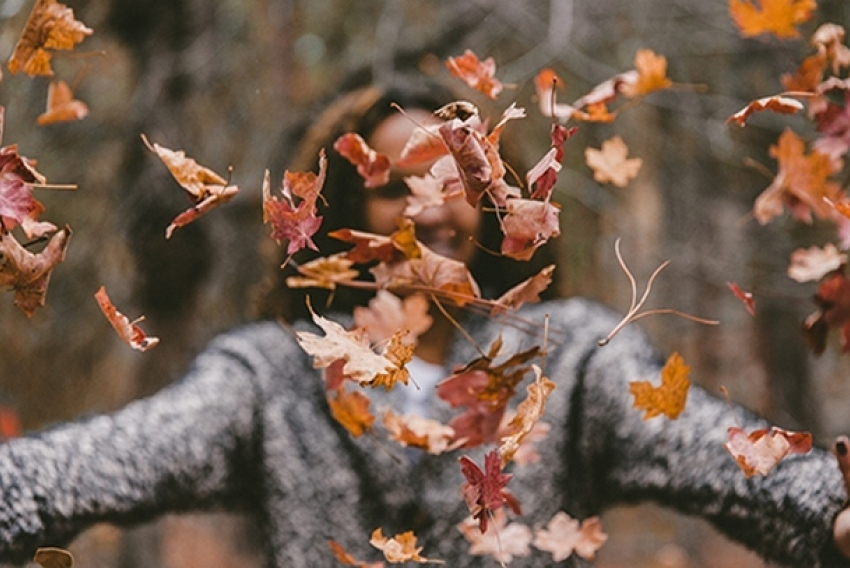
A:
(248, 428)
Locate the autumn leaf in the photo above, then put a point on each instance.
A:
(669, 398)
(528, 413)
(361, 363)
(814, 263)
(127, 330)
(467, 147)
(759, 451)
(372, 166)
(51, 26)
(776, 103)
(564, 536)
(480, 75)
(652, 74)
(400, 548)
(425, 192)
(745, 297)
(779, 17)
(340, 554)
(528, 225)
(423, 146)
(484, 491)
(53, 557)
(387, 313)
(205, 187)
(802, 183)
(324, 272)
(833, 302)
(502, 540)
(28, 274)
(417, 432)
(527, 291)
(17, 205)
(547, 83)
(290, 222)
(367, 246)
(399, 352)
(544, 174)
(351, 409)
(609, 164)
(61, 105)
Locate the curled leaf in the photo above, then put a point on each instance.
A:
(127, 330)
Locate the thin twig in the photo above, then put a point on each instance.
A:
(459, 327)
(54, 186)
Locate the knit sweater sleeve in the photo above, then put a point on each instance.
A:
(785, 516)
(186, 447)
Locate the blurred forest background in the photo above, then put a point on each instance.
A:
(225, 79)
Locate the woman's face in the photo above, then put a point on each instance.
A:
(449, 230)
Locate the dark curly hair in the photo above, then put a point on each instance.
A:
(361, 109)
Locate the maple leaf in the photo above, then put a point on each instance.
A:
(324, 272)
(779, 17)
(527, 452)
(670, 397)
(340, 554)
(528, 225)
(745, 297)
(424, 146)
(361, 363)
(17, 205)
(399, 353)
(759, 451)
(290, 222)
(484, 491)
(652, 74)
(775, 103)
(527, 291)
(387, 313)
(417, 432)
(528, 413)
(609, 164)
(400, 548)
(502, 540)
(564, 535)
(480, 75)
(127, 330)
(28, 274)
(205, 187)
(372, 166)
(351, 409)
(425, 192)
(61, 105)
(51, 26)
(828, 39)
(801, 184)
(814, 263)
(833, 301)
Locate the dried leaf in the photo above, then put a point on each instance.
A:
(324, 272)
(52, 557)
(387, 313)
(564, 535)
(28, 274)
(372, 166)
(480, 75)
(609, 164)
(776, 103)
(527, 291)
(351, 409)
(779, 17)
(670, 397)
(484, 491)
(400, 548)
(340, 554)
(759, 451)
(745, 297)
(812, 264)
(652, 74)
(51, 26)
(502, 540)
(528, 225)
(127, 330)
(417, 432)
(61, 105)
(528, 413)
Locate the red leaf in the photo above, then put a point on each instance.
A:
(484, 491)
(476, 73)
(528, 225)
(127, 330)
(372, 166)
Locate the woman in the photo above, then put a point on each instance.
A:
(249, 428)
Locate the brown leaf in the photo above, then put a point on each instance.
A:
(528, 413)
(476, 73)
(400, 548)
(609, 164)
(28, 274)
(417, 432)
(372, 166)
(50, 26)
(527, 291)
(652, 74)
(745, 297)
(127, 330)
(759, 451)
(502, 540)
(351, 409)
(387, 313)
(340, 554)
(61, 105)
(670, 397)
(776, 103)
(52, 557)
(324, 272)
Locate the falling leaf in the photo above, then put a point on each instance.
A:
(28, 274)
(424, 146)
(544, 174)
(745, 297)
(425, 192)
(361, 363)
(467, 147)
(776, 103)
(205, 187)
(484, 491)
(833, 301)
(52, 557)
(127, 330)
(528, 413)
(340, 554)
(528, 225)
(61, 105)
(480, 75)
(17, 205)
(828, 39)
(652, 74)
(669, 398)
(399, 352)
(372, 166)
(10, 423)
(51, 26)
(324, 272)
(802, 183)
(417, 432)
(387, 313)
(759, 451)
(527, 291)
(502, 540)
(812, 264)
(609, 164)
(546, 84)
(400, 548)
(779, 17)
(564, 536)
(290, 222)
(351, 409)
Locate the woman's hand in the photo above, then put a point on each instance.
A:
(841, 527)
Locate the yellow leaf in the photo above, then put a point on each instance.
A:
(669, 398)
(778, 17)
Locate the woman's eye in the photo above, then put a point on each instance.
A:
(392, 190)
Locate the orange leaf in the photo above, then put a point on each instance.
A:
(351, 409)
(340, 554)
(28, 274)
(759, 451)
(670, 397)
(477, 74)
(609, 164)
(776, 103)
(399, 353)
(528, 413)
(778, 17)
(400, 548)
(527, 291)
(372, 166)
(61, 105)
(418, 432)
(50, 26)
(127, 330)
(652, 74)
(324, 272)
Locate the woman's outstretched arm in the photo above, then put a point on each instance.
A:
(188, 447)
